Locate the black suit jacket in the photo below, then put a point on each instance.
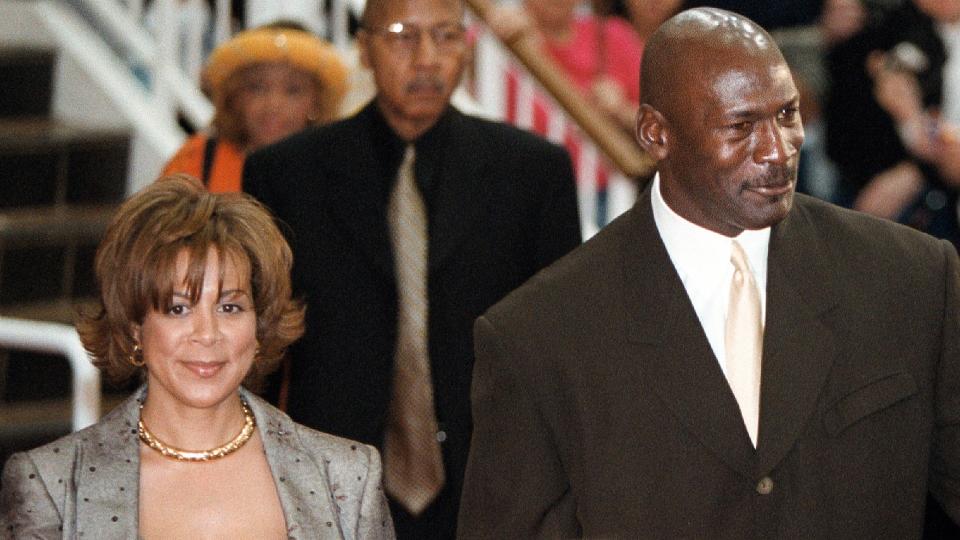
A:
(502, 205)
(601, 411)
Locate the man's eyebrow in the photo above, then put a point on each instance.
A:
(742, 113)
(754, 112)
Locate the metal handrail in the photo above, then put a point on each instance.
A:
(56, 338)
(173, 89)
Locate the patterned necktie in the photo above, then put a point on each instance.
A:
(413, 463)
(744, 341)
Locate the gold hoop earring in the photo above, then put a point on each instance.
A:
(136, 358)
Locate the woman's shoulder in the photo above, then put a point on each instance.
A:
(45, 470)
(59, 456)
(331, 448)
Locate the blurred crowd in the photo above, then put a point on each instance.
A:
(880, 81)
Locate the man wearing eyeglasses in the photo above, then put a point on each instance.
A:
(407, 221)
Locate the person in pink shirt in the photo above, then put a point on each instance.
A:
(601, 55)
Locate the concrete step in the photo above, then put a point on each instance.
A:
(44, 163)
(46, 258)
(27, 75)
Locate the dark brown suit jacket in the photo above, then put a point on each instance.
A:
(600, 410)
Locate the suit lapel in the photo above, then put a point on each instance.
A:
(107, 474)
(798, 348)
(301, 483)
(458, 198)
(673, 348)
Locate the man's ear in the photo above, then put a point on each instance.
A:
(363, 42)
(652, 132)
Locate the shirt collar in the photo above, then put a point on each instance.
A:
(694, 249)
(389, 148)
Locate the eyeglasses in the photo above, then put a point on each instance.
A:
(447, 37)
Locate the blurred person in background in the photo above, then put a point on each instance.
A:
(265, 84)
(407, 220)
(196, 301)
(769, 14)
(644, 15)
(840, 20)
(601, 55)
(891, 112)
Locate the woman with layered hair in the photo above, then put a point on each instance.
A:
(196, 301)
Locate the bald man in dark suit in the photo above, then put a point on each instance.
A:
(728, 359)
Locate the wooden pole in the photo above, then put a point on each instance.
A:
(621, 149)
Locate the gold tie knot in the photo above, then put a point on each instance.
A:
(739, 258)
(409, 156)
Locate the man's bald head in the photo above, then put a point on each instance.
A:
(720, 113)
(692, 41)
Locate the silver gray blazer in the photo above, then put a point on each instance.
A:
(87, 483)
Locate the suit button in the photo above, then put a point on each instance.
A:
(765, 485)
(441, 436)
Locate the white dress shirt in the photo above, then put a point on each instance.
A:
(702, 259)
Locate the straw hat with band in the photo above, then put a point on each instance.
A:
(301, 50)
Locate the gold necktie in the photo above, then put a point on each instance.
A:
(744, 341)
(413, 463)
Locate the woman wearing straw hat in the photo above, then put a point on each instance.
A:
(265, 83)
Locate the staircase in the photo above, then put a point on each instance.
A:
(59, 186)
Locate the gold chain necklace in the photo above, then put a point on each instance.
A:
(249, 423)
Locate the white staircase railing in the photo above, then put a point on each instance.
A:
(168, 43)
(55, 338)
(174, 92)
